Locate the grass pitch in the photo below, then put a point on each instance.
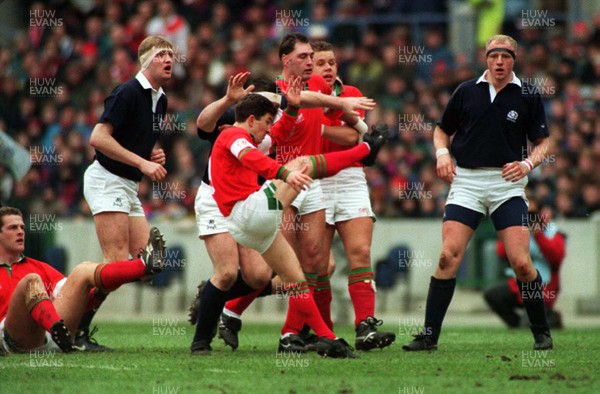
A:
(154, 358)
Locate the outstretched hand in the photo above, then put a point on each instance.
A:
(235, 86)
(351, 105)
(299, 180)
(293, 90)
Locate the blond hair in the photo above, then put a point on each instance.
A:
(502, 39)
(153, 41)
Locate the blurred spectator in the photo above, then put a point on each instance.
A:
(548, 249)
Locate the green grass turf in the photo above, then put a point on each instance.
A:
(469, 360)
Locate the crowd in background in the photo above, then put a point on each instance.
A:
(54, 78)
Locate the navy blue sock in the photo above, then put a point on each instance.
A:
(438, 299)
(211, 305)
(239, 289)
(532, 294)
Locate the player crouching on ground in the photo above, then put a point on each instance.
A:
(39, 307)
(254, 213)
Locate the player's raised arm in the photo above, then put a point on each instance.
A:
(347, 104)
(207, 119)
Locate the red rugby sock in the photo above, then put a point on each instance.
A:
(44, 313)
(362, 293)
(240, 304)
(301, 310)
(329, 164)
(323, 299)
(109, 277)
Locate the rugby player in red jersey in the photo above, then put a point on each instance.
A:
(348, 210)
(39, 306)
(254, 213)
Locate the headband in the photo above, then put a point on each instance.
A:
(273, 97)
(147, 57)
(505, 50)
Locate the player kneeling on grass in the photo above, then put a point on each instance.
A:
(254, 213)
(40, 307)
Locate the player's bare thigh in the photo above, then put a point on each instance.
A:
(281, 258)
(113, 233)
(139, 232)
(223, 253)
(455, 237)
(26, 333)
(255, 271)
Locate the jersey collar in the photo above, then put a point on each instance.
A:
(146, 84)
(20, 260)
(338, 87)
(514, 80)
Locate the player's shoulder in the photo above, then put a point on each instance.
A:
(127, 89)
(31, 261)
(351, 91)
(468, 84)
(317, 83)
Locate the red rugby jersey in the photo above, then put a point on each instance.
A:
(233, 165)
(333, 117)
(304, 138)
(11, 276)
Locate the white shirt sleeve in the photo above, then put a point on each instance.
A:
(239, 145)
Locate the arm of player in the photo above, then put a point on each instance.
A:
(207, 119)
(103, 140)
(255, 160)
(516, 170)
(309, 99)
(445, 166)
(342, 135)
(285, 124)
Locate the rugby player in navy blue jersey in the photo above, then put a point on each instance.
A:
(490, 120)
(124, 139)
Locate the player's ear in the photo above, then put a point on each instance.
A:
(250, 120)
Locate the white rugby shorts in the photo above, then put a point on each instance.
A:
(208, 217)
(311, 200)
(483, 189)
(346, 196)
(107, 192)
(255, 221)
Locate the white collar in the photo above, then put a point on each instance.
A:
(146, 84)
(515, 80)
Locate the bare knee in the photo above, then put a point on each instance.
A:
(225, 279)
(523, 268)
(450, 258)
(33, 284)
(258, 278)
(84, 273)
(359, 256)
